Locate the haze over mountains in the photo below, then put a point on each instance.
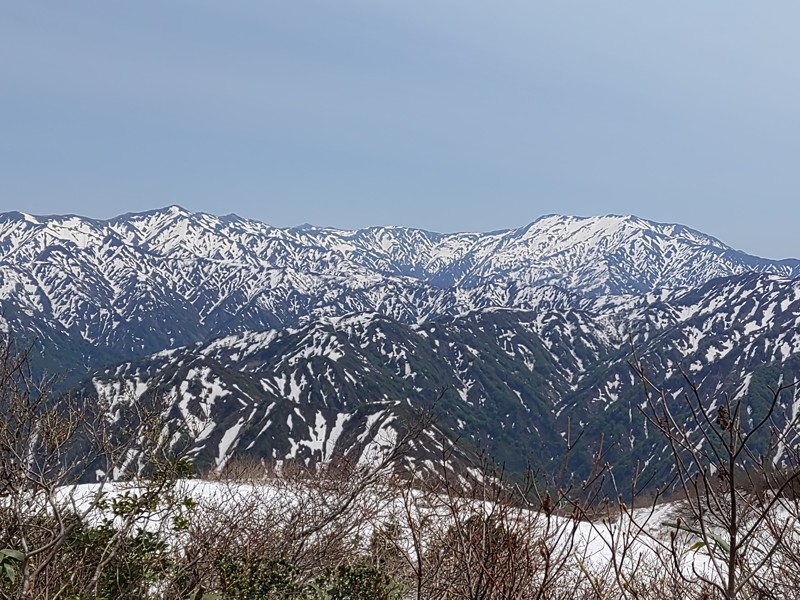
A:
(306, 343)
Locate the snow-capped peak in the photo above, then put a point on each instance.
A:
(169, 276)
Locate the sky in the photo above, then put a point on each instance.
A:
(448, 115)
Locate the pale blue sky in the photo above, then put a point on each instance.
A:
(447, 115)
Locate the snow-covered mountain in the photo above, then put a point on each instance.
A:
(308, 343)
(139, 283)
(516, 379)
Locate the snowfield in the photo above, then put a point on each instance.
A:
(625, 544)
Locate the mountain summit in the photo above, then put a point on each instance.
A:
(141, 282)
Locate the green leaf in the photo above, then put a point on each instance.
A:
(11, 573)
(15, 555)
(720, 542)
(696, 546)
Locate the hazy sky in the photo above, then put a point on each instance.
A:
(442, 114)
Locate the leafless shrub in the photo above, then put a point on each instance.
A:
(739, 515)
(47, 445)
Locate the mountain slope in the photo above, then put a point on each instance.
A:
(310, 344)
(139, 283)
(517, 381)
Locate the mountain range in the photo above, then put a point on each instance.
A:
(310, 343)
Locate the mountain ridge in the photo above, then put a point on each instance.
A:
(167, 277)
(515, 379)
(304, 343)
